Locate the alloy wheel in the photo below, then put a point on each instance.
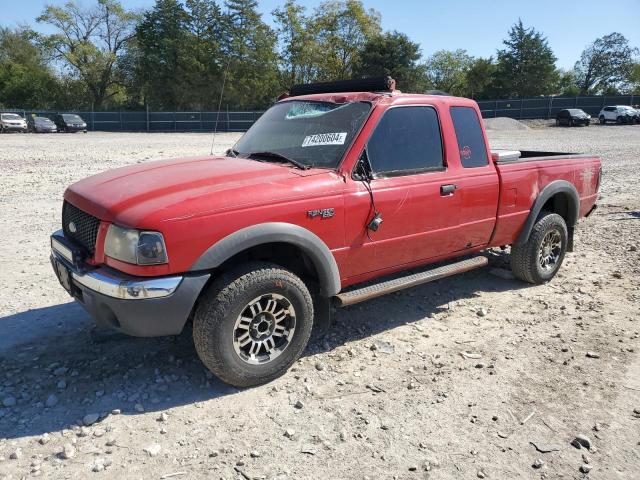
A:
(550, 250)
(264, 329)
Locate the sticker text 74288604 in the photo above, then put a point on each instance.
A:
(337, 138)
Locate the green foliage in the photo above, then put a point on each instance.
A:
(342, 29)
(526, 66)
(447, 71)
(25, 78)
(198, 54)
(605, 65)
(634, 79)
(90, 42)
(298, 49)
(250, 48)
(480, 79)
(393, 54)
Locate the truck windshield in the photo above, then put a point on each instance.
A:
(315, 134)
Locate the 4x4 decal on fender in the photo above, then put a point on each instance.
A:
(323, 212)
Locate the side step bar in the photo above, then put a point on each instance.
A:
(390, 286)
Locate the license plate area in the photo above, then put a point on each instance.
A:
(63, 274)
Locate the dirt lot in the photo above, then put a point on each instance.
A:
(386, 393)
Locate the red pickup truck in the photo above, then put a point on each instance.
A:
(336, 185)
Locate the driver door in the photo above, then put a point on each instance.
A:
(412, 191)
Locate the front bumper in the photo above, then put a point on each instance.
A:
(14, 128)
(139, 306)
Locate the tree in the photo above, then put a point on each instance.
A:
(393, 54)
(634, 80)
(25, 78)
(526, 67)
(250, 49)
(605, 64)
(480, 79)
(567, 84)
(447, 70)
(342, 29)
(204, 63)
(298, 48)
(90, 42)
(162, 38)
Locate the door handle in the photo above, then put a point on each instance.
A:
(448, 189)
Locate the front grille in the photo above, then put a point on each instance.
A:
(86, 227)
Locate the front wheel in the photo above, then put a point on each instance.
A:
(253, 323)
(602, 120)
(539, 258)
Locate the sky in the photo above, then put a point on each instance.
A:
(476, 26)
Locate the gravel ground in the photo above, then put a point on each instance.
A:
(476, 376)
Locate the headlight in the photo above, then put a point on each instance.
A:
(135, 246)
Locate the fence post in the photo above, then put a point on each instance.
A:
(520, 114)
(175, 122)
(550, 105)
(495, 109)
(147, 118)
(228, 119)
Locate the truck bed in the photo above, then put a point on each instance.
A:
(523, 174)
(517, 156)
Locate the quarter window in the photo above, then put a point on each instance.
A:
(406, 140)
(473, 151)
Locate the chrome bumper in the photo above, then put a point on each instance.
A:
(108, 281)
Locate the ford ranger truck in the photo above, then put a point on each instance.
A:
(335, 186)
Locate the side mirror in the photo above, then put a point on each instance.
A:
(363, 170)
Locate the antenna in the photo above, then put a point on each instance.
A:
(224, 80)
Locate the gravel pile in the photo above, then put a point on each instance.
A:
(504, 124)
(475, 376)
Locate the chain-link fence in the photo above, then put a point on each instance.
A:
(148, 121)
(548, 107)
(235, 121)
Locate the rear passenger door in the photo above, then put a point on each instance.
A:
(477, 180)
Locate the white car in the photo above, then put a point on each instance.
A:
(12, 122)
(617, 113)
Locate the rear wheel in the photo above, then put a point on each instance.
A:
(619, 120)
(253, 324)
(540, 257)
(571, 123)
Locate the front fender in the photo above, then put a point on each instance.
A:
(276, 232)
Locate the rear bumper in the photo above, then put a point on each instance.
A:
(138, 306)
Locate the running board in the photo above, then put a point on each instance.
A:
(397, 284)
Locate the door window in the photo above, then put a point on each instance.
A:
(406, 140)
(473, 151)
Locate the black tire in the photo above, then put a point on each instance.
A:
(571, 123)
(226, 300)
(619, 120)
(525, 258)
(557, 122)
(602, 120)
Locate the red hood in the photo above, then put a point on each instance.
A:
(144, 195)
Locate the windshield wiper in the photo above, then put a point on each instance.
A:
(232, 153)
(280, 156)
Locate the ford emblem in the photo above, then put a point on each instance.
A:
(72, 227)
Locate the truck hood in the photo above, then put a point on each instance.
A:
(145, 195)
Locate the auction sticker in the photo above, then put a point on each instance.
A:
(337, 138)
